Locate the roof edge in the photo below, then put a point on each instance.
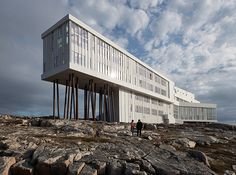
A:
(61, 21)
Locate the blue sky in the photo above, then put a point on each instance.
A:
(191, 41)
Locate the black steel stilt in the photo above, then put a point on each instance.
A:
(100, 104)
(73, 95)
(94, 101)
(68, 105)
(85, 102)
(76, 102)
(65, 100)
(54, 99)
(113, 106)
(58, 101)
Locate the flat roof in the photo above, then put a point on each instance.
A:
(108, 41)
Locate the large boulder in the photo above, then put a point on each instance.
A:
(3, 146)
(184, 142)
(75, 168)
(206, 140)
(145, 165)
(46, 123)
(88, 170)
(100, 166)
(22, 168)
(5, 164)
(149, 126)
(131, 169)
(174, 162)
(53, 160)
(234, 167)
(200, 156)
(35, 122)
(229, 172)
(115, 168)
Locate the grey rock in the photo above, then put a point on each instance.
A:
(167, 147)
(149, 126)
(234, 167)
(53, 160)
(131, 168)
(110, 134)
(124, 133)
(160, 167)
(184, 142)
(3, 146)
(200, 156)
(205, 140)
(46, 123)
(146, 166)
(115, 168)
(5, 164)
(75, 168)
(112, 128)
(31, 145)
(35, 122)
(89, 131)
(150, 138)
(88, 170)
(24, 122)
(228, 172)
(99, 166)
(168, 162)
(22, 167)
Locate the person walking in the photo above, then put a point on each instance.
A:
(139, 127)
(132, 126)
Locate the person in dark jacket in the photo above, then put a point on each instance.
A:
(139, 127)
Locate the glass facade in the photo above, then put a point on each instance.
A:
(91, 52)
(56, 48)
(149, 106)
(194, 113)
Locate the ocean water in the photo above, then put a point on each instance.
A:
(228, 122)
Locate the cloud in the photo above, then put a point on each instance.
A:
(165, 24)
(21, 90)
(144, 4)
(193, 42)
(110, 15)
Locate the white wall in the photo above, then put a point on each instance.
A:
(183, 95)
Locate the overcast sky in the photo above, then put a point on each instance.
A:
(191, 41)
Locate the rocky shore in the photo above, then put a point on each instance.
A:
(40, 146)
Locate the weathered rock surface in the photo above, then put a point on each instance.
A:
(198, 155)
(62, 147)
(75, 168)
(5, 164)
(184, 142)
(22, 167)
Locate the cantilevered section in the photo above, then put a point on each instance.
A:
(77, 56)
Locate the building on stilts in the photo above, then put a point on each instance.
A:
(117, 86)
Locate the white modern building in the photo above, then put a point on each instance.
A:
(188, 109)
(117, 85)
